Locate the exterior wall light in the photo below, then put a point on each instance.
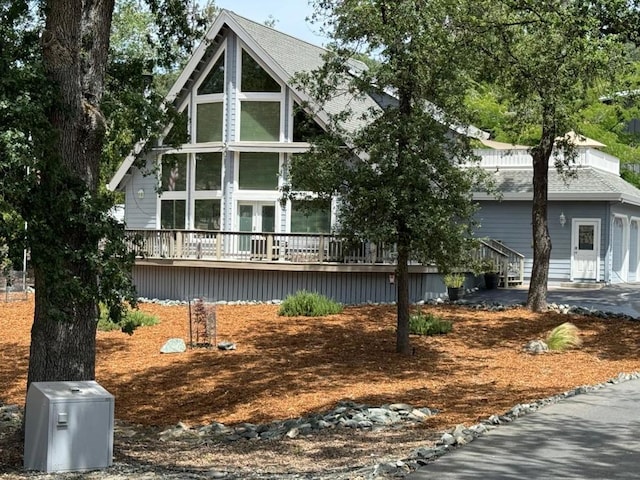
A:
(141, 194)
(563, 219)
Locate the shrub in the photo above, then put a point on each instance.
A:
(129, 322)
(563, 337)
(454, 280)
(308, 304)
(428, 324)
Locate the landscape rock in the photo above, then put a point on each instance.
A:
(174, 345)
(226, 346)
(536, 347)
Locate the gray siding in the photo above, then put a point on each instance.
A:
(140, 213)
(214, 284)
(510, 222)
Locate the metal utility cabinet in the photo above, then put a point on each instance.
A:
(69, 427)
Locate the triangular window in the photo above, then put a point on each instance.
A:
(255, 78)
(305, 128)
(214, 82)
(179, 133)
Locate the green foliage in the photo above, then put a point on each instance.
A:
(127, 323)
(564, 337)
(308, 304)
(428, 324)
(454, 280)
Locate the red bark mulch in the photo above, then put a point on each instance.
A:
(287, 367)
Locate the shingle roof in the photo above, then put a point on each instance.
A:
(294, 55)
(589, 184)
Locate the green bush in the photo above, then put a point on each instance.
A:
(308, 304)
(131, 320)
(428, 324)
(563, 337)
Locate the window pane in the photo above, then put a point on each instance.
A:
(268, 218)
(310, 220)
(172, 214)
(258, 171)
(209, 122)
(305, 128)
(179, 132)
(174, 173)
(214, 83)
(207, 215)
(208, 171)
(255, 78)
(585, 237)
(260, 121)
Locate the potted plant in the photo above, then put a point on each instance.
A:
(454, 283)
(490, 271)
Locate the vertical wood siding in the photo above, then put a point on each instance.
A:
(213, 284)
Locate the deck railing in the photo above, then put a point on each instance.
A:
(296, 248)
(509, 264)
(251, 246)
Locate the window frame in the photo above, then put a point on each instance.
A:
(257, 96)
(209, 98)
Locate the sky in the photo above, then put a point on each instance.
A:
(290, 16)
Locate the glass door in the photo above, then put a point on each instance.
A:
(255, 217)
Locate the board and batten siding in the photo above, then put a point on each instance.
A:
(222, 284)
(510, 223)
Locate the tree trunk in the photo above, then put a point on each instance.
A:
(75, 46)
(537, 298)
(403, 345)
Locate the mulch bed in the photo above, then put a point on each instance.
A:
(288, 367)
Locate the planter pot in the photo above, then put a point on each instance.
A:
(490, 281)
(455, 293)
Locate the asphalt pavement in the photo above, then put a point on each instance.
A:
(588, 436)
(624, 298)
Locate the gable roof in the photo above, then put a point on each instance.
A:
(285, 56)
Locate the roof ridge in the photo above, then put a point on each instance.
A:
(272, 29)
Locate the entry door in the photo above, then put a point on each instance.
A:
(255, 217)
(585, 248)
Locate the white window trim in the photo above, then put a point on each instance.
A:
(257, 96)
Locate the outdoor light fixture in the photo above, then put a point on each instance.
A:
(563, 219)
(141, 194)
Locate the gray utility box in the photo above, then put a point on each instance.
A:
(69, 427)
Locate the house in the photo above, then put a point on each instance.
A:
(593, 214)
(212, 222)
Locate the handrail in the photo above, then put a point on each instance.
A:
(315, 248)
(257, 246)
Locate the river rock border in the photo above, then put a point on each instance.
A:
(346, 414)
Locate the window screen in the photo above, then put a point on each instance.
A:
(207, 214)
(208, 171)
(258, 171)
(209, 122)
(260, 121)
(174, 173)
(310, 220)
(172, 214)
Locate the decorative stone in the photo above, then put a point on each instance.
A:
(174, 345)
(226, 346)
(536, 347)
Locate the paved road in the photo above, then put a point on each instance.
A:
(612, 298)
(589, 436)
